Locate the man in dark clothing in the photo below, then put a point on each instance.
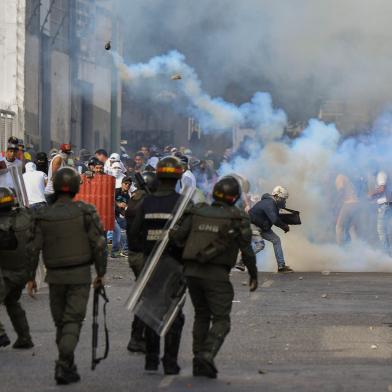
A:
(16, 265)
(212, 236)
(147, 228)
(122, 197)
(265, 214)
(71, 237)
(135, 254)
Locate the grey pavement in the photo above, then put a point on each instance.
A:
(298, 332)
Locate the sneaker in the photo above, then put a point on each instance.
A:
(23, 344)
(115, 255)
(170, 366)
(66, 375)
(203, 367)
(4, 340)
(285, 270)
(136, 346)
(124, 253)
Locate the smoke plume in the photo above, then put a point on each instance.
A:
(302, 52)
(298, 51)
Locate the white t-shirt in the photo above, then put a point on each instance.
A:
(381, 180)
(6, 179)
(49, 186)
(35, 186)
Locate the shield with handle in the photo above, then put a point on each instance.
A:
(159, 292)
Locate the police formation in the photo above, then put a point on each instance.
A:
(204, 242)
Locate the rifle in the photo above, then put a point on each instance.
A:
(99, 291)
(142, 184)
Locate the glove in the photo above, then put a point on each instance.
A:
(98, 281)
(253, 284)
(286, 228)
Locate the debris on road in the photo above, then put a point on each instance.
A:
(374, 346)
(324, 296)
(325, 272)
(262, 371)
(301, 278)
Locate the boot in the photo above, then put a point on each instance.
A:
(66, 374)
(203, 366)
(136, 346)
(23, 343)
(152, 363)
(4, 340)
(170, 366)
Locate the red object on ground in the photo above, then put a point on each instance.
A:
(99, 191)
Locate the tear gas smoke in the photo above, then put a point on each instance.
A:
(300, 51)
(187, 96)
(307, 165)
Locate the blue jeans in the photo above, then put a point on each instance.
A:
(119, 241)
(270, 236)
(384, 215)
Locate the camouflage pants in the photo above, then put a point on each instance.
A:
(10, 293)
(212, 301)
(68, 304)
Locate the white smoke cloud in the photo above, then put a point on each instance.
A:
(300, 51)
(169, 76)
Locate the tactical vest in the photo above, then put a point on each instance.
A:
(66, 242)
(214, 235)
(17, 224)
(158, 210)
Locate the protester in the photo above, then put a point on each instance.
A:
(35, 182)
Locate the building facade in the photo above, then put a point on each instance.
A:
(58, 82)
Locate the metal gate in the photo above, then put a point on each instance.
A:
(6, 127)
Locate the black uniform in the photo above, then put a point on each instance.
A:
(154, 212)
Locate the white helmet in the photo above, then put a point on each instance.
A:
(281, 192)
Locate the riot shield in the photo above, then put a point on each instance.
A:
(159, 292)
(12, 177)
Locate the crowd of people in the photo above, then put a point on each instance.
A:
(214, 235)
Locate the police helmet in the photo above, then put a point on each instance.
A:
(227, 190)
(170, 168)
(151, 180)
(66, 180)
(7, 199)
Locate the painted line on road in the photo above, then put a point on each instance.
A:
(267, 283)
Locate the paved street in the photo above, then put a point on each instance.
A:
(299, 332)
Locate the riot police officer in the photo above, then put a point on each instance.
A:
(71, 237)
(151, 217)
(212, 236)
(16, 265)
(135, 252)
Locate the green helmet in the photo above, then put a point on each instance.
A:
(170, 168)
(7, 199)
(227, 190)
(66, 180)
